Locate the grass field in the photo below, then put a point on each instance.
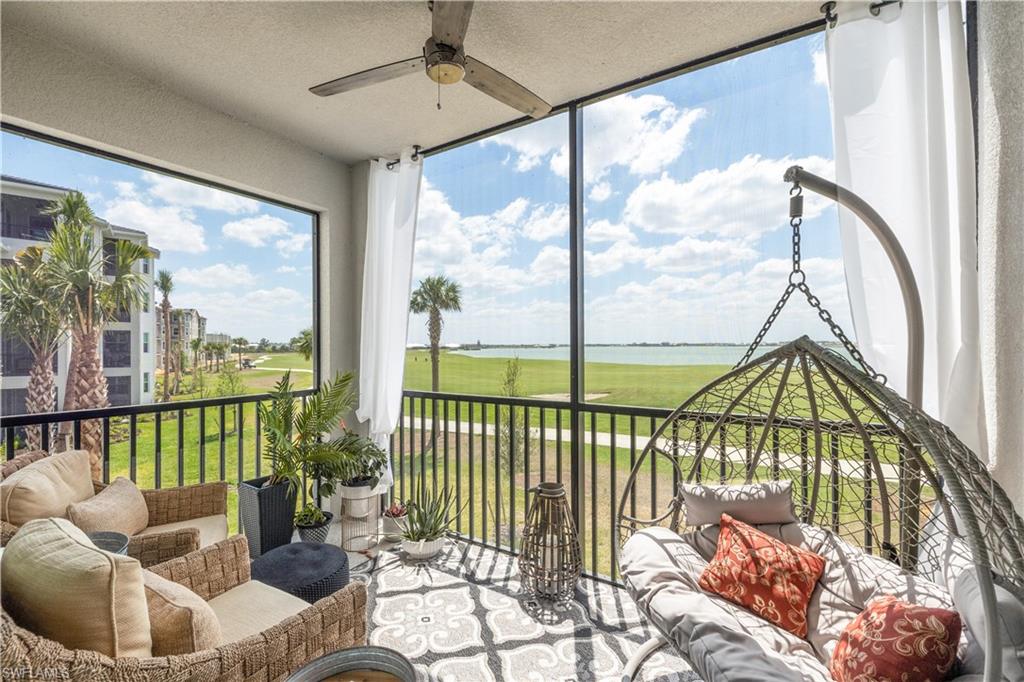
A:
(212, 449)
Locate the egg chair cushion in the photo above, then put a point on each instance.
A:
(660, 570)
(967, 596)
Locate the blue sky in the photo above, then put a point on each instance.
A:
(687, 234)
(244, 264)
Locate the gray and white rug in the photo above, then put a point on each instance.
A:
(462, 617)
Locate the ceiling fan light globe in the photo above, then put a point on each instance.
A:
(446, 73)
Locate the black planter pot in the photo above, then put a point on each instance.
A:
(317, 533)
(268, 514)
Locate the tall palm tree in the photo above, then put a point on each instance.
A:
(165, 285)
(305, 345)
(435, 295)
(197, 348)
(241, 343)
(91, 298)
(32, 316)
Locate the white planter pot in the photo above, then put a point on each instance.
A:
(423, 549)
(356, 500)
(393, 526)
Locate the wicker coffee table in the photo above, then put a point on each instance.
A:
(308, 570)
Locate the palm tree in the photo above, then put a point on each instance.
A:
(435, 295)
(90, 298)
(197, 349)
(241, 343)
(31, 315)
(305, 344)
(165, 285)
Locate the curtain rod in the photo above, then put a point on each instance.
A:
(829, 10)
(415, 157)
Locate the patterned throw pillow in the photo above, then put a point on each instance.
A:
(763, 574)
(894, 641)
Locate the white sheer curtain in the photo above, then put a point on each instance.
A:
(392, 198)
(901, 113)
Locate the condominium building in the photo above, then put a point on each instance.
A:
(128, 344)
(218, 338)
(187, 325)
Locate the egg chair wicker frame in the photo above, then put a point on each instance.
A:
(865, 462)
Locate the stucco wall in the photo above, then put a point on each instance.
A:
(1001, 236)
(48, 88)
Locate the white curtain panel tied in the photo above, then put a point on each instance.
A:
(393, 195)
(904, 142)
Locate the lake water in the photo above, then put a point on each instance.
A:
(630, 355)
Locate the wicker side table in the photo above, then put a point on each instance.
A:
(308, 570)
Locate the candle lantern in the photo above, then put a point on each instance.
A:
(550, 560)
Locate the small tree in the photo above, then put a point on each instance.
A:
(303, 343)
(241, 343)
(229, 383)
(435, 296)
(512, 445)
(165, 285)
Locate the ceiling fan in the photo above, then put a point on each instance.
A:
(446, 62)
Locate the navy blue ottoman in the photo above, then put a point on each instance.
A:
(308, 570)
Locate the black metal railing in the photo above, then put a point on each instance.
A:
(491, 450)
(160, 444)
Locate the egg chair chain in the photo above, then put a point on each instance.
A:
(798, 281)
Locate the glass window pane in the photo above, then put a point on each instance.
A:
(687, 233)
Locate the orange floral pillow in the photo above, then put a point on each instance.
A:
(765, 575)
(894, 641)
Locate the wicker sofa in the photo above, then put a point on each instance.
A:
(332, 623)
(176, 516)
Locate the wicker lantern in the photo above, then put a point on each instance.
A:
(551, 558)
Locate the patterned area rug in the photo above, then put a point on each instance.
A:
(462, 617)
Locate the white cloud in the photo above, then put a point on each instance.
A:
(600, 191)
(293, 243)
(546, 222)
(257, 230)
(286, 269)
(169, 228)
(216, 275)
(820, 67)
(241, 311)
(613, 259)
(550, 265)
(193, 195)
(642, 133)
(712, 306)
(694, 255)
(746, 199)
(606, 231)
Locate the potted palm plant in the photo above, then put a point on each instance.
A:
(294, 445)
(426, 523)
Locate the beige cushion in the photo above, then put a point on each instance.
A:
(120, 507)
(60, 586)
(180, 621)
(754, 503)
(46, 488)
(253, 607)
(211, 528)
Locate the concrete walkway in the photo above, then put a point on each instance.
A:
(847, 467)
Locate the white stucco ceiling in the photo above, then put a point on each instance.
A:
(255, 60)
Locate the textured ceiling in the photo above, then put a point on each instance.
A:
(255, 60)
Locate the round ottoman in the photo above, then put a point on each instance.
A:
(308, 570)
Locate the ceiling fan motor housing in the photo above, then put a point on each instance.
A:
(445, 64)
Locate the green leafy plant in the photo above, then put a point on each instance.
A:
(295, 437)
(428, 517)
(309, 515)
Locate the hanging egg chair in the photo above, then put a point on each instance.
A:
(863, 463)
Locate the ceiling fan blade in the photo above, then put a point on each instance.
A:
(361, 79)
(449, 21)
(504, 89)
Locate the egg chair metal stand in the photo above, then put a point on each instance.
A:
(865, 463)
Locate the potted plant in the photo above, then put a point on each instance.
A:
(426, 523)
(312, 523)
(394, 521)
(293, 445)
(360, 476)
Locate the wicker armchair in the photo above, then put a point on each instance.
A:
(334, 622)
(166, 506)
